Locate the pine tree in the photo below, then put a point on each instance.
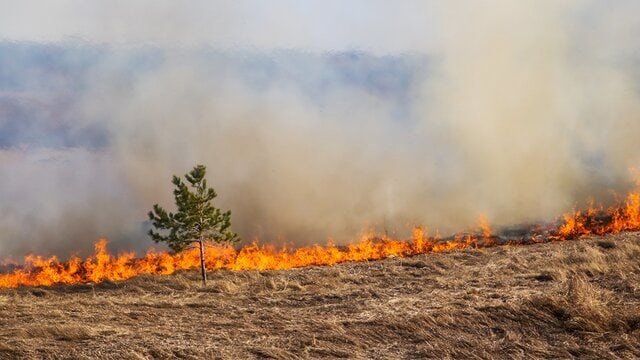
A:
(196, 219)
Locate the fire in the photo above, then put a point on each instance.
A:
(603, 221)
(103, 266)
(485, 228)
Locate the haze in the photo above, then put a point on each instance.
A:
(316, 119)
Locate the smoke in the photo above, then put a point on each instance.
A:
(517, 111)
(537, 117)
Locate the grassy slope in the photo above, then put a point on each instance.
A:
(557, 300)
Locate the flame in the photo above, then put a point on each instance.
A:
(602, 221)
(485, 228)
(103, 266)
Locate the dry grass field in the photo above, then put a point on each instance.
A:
(557, 300)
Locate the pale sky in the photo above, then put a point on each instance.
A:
(376, 25)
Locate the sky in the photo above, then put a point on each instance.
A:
(316, 119)
(372, 26)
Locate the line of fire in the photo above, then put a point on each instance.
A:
(103, 266)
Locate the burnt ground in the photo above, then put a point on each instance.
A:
(577, 298)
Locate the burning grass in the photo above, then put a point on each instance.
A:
(106, 267)
(458, 297)
(558, 300)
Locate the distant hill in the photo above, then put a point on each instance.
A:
(42, 85)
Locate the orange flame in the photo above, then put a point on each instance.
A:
(485, 228)
(103, 266)
(610, 221)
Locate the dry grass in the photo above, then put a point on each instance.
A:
(559, 300)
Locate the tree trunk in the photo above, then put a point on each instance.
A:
(202, 264)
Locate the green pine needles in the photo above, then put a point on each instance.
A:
(196, 219)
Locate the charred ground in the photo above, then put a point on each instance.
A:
(554, 300)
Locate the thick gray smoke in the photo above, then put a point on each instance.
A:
(517, 110)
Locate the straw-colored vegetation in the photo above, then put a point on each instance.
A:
(558, 300)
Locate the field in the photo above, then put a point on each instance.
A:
(577, 298)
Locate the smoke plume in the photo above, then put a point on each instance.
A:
(518, 111)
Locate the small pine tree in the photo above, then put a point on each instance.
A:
(196, 219)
